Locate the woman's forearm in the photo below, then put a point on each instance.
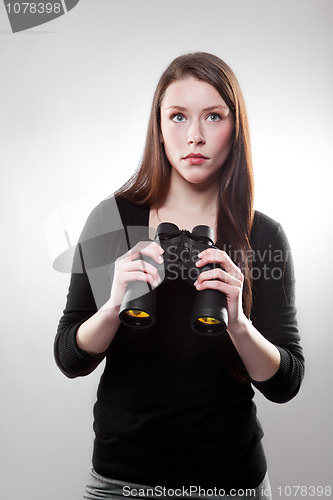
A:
(96, 334)
(261, 358)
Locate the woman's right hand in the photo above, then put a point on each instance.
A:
(131, 267)
(95, 335)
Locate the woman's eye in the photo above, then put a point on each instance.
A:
(178, 118)
(214, 117)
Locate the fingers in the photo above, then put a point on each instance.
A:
(218, 274)
(214, 255)
(147, 248)
(132, 267)
(217, 279)
(228, 280)
(137, 270)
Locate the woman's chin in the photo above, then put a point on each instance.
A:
(201, 180)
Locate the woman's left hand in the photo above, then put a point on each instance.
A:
(228, 280)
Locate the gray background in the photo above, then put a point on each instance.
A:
(75, 97)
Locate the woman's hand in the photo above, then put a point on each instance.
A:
(228, 280)
(131, 267)
(260, 357)
(95, 335)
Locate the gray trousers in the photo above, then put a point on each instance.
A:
(100, 487)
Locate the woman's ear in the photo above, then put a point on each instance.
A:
(161, 137)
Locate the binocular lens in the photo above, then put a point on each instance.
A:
(207, 320)
(136, 317)
(136, 313)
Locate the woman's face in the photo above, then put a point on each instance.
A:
(197, 130)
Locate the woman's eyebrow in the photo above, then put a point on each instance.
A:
(210, 108)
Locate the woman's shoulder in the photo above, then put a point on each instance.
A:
(131, 213)
(266, 232)
(264, 222)
(271, 255)
(116, 211)
(104, 217)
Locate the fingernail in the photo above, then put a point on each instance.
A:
(160, 259)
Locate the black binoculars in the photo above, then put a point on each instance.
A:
(181, 248)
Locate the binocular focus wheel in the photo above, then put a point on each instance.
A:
(204, 232)
(166, 228)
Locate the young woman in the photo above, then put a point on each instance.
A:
(175, 410)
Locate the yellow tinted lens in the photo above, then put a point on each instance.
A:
(136, 313)
(207, 320)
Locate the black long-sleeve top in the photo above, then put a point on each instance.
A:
(168, 411)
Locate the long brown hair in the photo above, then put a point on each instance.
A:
(150, 183)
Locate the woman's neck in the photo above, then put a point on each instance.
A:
(191, 198)
(186, 206)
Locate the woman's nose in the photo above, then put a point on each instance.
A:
(195, 139)
(195, 135)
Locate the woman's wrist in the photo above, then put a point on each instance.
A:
(110, 308)
(95, 335)
(260, 357)
(240, 327)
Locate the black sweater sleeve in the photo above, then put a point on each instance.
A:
(273, 311)
(101, 242)
(72, 360)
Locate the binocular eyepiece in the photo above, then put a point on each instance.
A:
(181, 248)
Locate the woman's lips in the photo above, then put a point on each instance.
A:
(195, 159)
